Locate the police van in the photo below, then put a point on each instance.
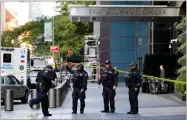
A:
(14, 61)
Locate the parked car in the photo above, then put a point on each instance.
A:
(32, 78)
(21, 92)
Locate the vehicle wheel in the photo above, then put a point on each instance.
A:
(25, 98)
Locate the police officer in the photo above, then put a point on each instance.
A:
(109, 82)
(116, 74)
(79, 80)
(133, 82)
(43, 80)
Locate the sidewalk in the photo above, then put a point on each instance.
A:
(152, 107)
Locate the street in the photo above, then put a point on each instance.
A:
(152, 107)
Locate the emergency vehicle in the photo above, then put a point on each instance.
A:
(14, 61)
(38, 62)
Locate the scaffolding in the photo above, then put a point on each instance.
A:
(91, 55)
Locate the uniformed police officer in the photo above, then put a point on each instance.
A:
(108, 79)
(79, 80)
(133, 82)
(43, 80)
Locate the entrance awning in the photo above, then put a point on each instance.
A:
(127, 13)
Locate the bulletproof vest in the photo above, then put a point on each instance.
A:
(42, 83)
(108, 77)
(78, 79)
(133, 78)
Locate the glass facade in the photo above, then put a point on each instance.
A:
(129, 40)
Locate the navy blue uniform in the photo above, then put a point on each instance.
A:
(43, 85)
(116, 74)
(108, 80)
(79, 82)
(134, 80)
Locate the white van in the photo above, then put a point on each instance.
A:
(14, 61)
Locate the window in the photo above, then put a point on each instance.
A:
(7, 58)
(15, 79)
(2, 80)
(10, 80)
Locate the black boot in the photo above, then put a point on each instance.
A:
(74, 112)
(47, 114)
(82, 112)
(105, 110)
(134, 112)
(30, 104)
(112, 111)
(129, 112)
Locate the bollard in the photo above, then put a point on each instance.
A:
(58, 97)
(52, 98)
(9, 100)
(33, 96)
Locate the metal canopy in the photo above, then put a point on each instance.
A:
(127, 13)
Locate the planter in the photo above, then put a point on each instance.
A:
(182, 97)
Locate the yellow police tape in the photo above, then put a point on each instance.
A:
(121, 71)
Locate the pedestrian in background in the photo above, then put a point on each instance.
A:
(162, 71)
(109, 82)
(43, 80)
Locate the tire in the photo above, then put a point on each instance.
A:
(25, 98)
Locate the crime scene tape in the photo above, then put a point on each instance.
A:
(120, 71)
(153, 77)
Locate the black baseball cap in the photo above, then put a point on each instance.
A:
(107, 62)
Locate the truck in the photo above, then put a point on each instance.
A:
(38, 61)
(14, 61)
(36, 64)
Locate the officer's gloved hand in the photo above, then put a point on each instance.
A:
(114, 87)
(82, 90)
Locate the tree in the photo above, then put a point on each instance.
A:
(68, 35)
(182, 61)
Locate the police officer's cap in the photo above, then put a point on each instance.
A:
(132, 64)
(80, 66)
(107, 62)
(49, 67)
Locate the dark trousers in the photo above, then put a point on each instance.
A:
(78, 95)
(133, 99)
(108, 96)
(43, 98)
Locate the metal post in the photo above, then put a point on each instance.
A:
(60, 62)
(9, 102)
(58, 97)
(152, 34)
(33, 96)
(53, 35)
(52, 98)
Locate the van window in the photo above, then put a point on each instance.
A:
(2, 80)
(32, 62)
(7, 58)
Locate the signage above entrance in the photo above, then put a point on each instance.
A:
(121, 12)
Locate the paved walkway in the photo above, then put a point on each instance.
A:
(152, 107)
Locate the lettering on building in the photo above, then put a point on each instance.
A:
(112, 11)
